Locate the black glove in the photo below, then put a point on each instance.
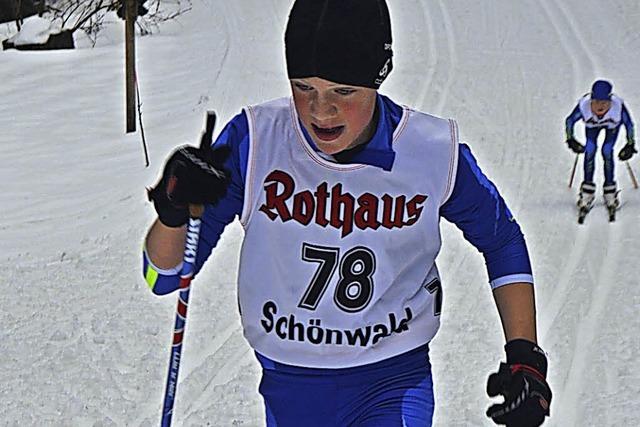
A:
(627, 151)
(522, 382)
(575, 146)
(191, 176)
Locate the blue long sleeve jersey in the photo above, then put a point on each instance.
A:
(576, 116)
(475, 205)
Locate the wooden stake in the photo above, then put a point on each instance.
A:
(131, 7)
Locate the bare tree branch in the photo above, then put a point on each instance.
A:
(89, 15)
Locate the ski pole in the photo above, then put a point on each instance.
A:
(186, 274)
(188, 267)
(633, 176)
(573, 170)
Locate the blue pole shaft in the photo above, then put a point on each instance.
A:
(188, 266)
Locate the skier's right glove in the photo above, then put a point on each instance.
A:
(627, 151)
(522, 382)
(575, 146)
(191, 176)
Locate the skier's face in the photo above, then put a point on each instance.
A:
(600, 107)
(336, 116)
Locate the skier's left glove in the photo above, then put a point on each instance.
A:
(522, 382)
(627, 151)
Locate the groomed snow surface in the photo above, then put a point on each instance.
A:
(84, 342)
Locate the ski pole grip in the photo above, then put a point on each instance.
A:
(210, 124)
(196, 211)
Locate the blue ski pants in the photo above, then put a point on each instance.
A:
(591, 147)
(397, 392)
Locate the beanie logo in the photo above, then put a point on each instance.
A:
(383, 72)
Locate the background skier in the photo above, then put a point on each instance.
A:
(601, 110)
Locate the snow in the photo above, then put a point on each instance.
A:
(34, 30)
(85, 343)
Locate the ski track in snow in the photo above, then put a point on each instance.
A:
(226, 373)
(568, 45)
(577, 382)
(562, 288)
(581, 45)
(451, 56)
(432, 53)
(442, 64)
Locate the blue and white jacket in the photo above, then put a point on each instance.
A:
(475, 205)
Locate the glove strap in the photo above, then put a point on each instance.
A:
(525, 368)
(525, 352)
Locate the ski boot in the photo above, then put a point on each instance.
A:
(611, 200)
(585, 200)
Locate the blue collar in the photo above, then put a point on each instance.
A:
(379, 150)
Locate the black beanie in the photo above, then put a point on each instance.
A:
(344, 41)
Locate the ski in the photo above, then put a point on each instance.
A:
(611, 201)
(614, 207)
(613, 210)
(582, 214)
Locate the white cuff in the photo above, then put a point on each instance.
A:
(511, 278)
(164, 272)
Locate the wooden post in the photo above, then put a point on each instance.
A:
(131, 7)
(19, 20)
